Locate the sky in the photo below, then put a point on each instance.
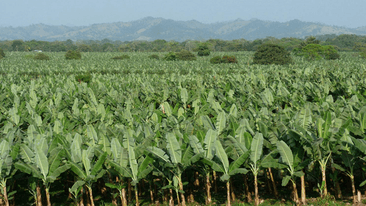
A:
(345, 13)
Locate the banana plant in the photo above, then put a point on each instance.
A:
(293, 166)
(81, 163)
(177, 156)
(128, 164)
(6, 167)
(43, 160)
(256, 150)
(205, 147)
(221, 164)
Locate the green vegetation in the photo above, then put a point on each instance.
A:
(41, 56)
(203, 50)
(271, 54)
(154, 56)
(185, 55)
(83, 78)
(344, 42)
(193, 133)
(316, 52)
(2, 53)
(171, 56)
(224, 59)
(71, 54)
(125, 56)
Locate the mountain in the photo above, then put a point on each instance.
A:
(150, 29)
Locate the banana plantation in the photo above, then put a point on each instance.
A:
(153, 132)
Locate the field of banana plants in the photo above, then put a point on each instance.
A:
(146, 131)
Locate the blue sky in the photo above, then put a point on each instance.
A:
(347, 13)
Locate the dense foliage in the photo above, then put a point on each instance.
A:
(271, 54)
(224, 59)
(71, 54)
(2, 53)
(316, 52)
(344, 42)
(41, 56)
(186, 55)
(176, 132)
(203, 50)
(171, 56)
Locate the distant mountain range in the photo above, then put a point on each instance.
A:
(150, 29)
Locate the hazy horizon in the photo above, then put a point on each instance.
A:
(19, 13)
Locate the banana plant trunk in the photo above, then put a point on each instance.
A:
(256, 200)
(303, 192)
(91, 196)
(248, 194)
(228, 193)
(171, 200)
(214, 180)
(208, 189)
(129, 190)
(324, 179)
(181, 193)
(48, 196)
(39, 195)
(353, 190)
(233, 197)
(6, 201)
(296, 195)
(273, 183)
(81, 203)
(123, 197)
(137, 196)
(151, 191)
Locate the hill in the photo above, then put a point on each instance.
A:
(150, 28)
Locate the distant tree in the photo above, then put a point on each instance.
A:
(171, 56)
(17, 45)
(316, 52)
(71, 54)
(2, 54)
(41, 56)
(360, 47)
(271, 54)
(203, 50)
(309, 40)
(84, 48)
(185, 55)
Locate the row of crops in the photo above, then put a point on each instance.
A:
(148, 131)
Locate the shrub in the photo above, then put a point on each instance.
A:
(363, 55)
(171, 56)
(229, 59)
(125, 56)
(203, 50)
(215, 60)
(41, 56)
(83, 78)
(224, 59)
(316, 52)
(271, 54)
(185, 55)
(154, 56)
(71, 54)
(309, 40)
(2, 54)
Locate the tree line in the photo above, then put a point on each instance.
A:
(344, 42)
